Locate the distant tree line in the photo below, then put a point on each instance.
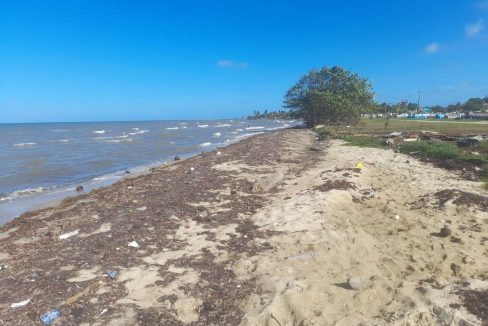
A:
(279, 114)
(473, 104)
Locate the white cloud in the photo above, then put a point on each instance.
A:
(232, 64)
(474, 29)
(432, 48)
(483, 5)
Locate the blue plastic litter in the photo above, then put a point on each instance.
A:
(112, 274)
(49, 317)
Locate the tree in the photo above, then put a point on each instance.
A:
(330, 96)
(473, 104)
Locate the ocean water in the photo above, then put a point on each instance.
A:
(42, 163)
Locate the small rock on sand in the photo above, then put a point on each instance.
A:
(79, 188)
(445, 232)
(354, 282)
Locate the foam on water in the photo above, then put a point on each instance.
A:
(25, 144)
(99, 131)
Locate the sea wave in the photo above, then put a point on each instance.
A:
(248, 135)
(217, 134)
(64, 140)
(255, 128)
(172, 128)
(202, 126)
(99, 131)
(222, 125)
(205, 144)
(138, 132)
(24, 192)
(25, 144)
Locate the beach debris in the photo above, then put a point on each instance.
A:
(455, 269)
(469, 141)
(359, 165)
(390, 142)
(79, 295)
(103, 311)
(397, 217)
(20, 304)
(219, 153)
(133, 244)
(314, 149)
(177, 158)
(127, 172)
(49, 317)
(192, 169)
(79, 188)
(354, 282)
(68, 235)
(141, 209)
(112, 274)
(396, 134)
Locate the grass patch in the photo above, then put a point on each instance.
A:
(433, 149)
(482, 147)
(375, 126)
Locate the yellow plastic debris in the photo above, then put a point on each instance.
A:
(359, 165)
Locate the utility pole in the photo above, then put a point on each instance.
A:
(418, 103)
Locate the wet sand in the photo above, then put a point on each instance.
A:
(266, 233)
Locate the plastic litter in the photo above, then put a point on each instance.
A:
(219, 153)
(142, 209)
(49, 317)
(68, 235)
(133, 244)
(112, 274)
(359, 165)
(20, 304)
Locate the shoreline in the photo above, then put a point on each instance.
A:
(280, 229)
(14, 208)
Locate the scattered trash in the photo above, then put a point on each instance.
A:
(397, 217)
(112, 274)
(177, 158)
(20, 304)
(192, 169)
(127, 172)
(141, 209)
(103, 311)
(359, 165)
(68, 235)
(133, 244)
(219, 153)
(305, 255)
(49, 317)
(79, 188)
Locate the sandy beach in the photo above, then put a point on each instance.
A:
(277, 229)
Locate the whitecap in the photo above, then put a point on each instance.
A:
(221, 125)
(138, 132)
(24, 192)
(25, 144)
(255, 128)
(205, 144)
(202, 126)
(217, 134)
(239, 129)
(172, 128)
(99, 131)
(64, 140)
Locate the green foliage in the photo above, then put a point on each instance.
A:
(323, 134)
(330, 96)
(432, 149)
(482, 147)
(363, 141)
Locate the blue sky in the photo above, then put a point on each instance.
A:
(142, 60)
